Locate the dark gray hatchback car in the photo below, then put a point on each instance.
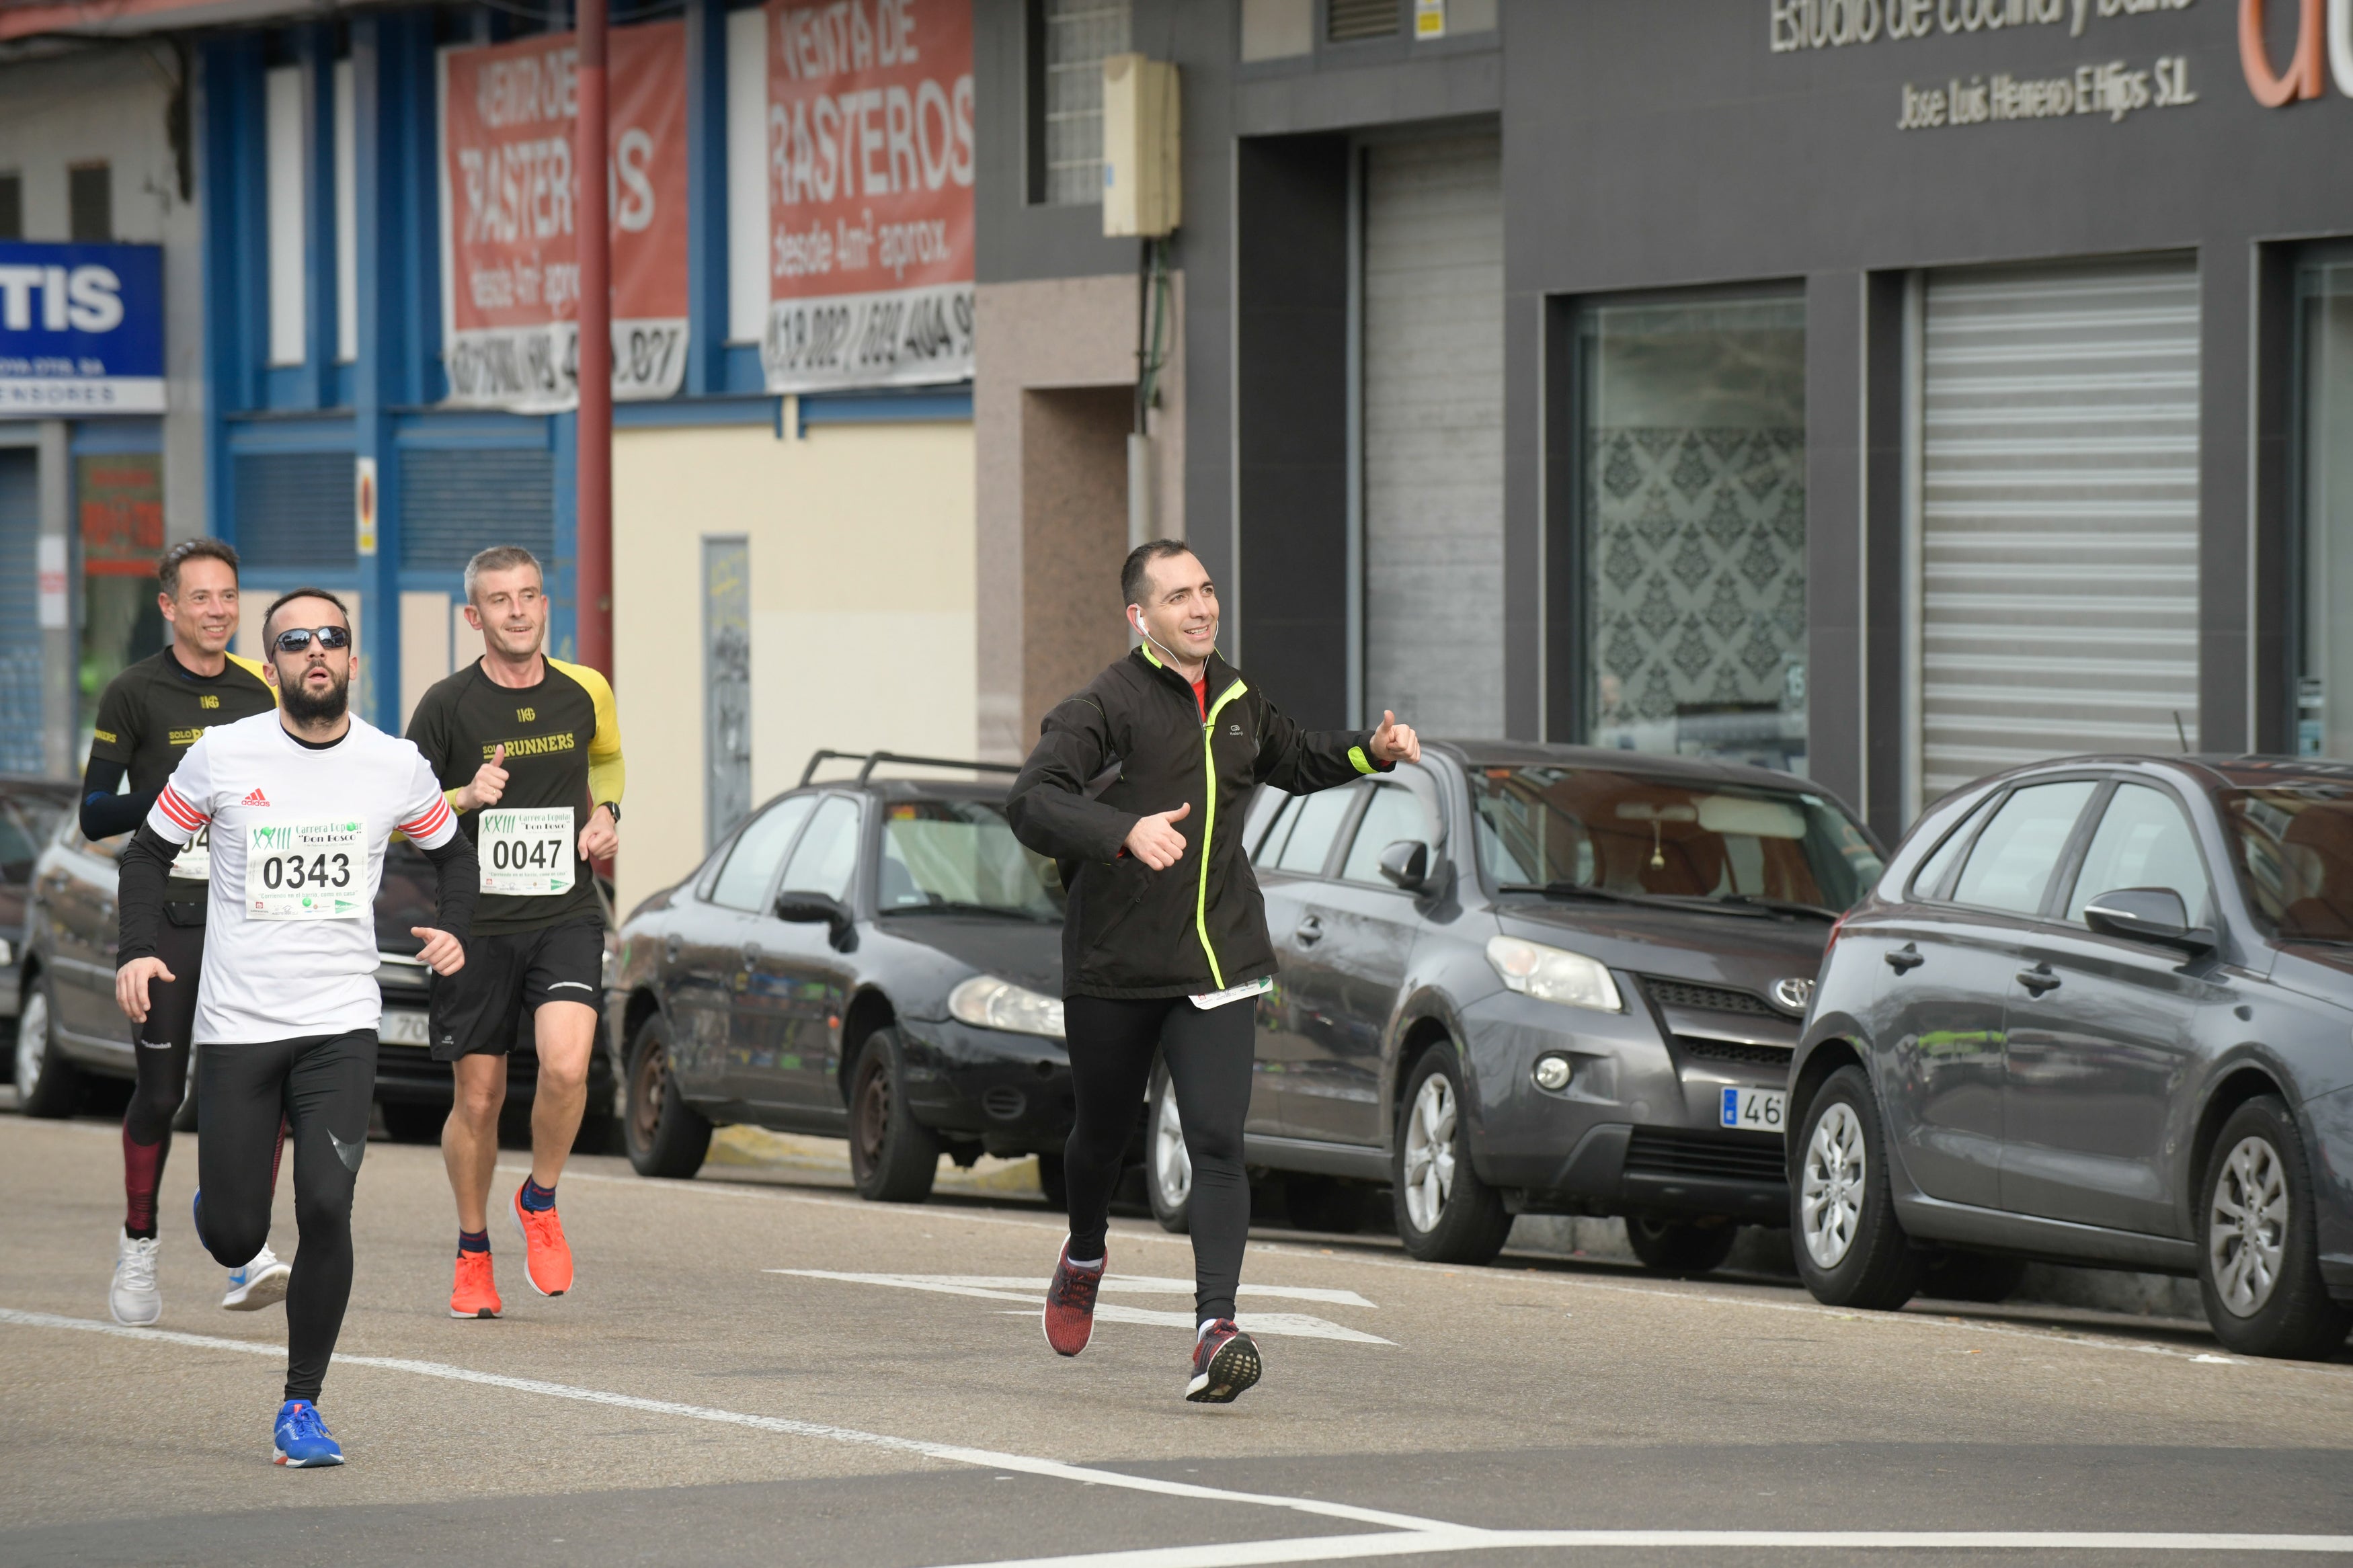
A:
(2100, 1012)
(1538, 979)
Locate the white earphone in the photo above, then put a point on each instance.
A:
(1136, 622)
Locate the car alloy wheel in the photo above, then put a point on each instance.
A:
(1172, 1163)
(32, 1043)
(1830, 1189)
(2246, 1227)
(1430, 1152)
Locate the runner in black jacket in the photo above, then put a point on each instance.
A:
(1165, 942)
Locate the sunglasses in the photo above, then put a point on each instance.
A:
(294, 639)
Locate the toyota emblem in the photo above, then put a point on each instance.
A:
(1793, 993)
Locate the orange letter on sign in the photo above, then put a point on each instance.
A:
(2302, 78)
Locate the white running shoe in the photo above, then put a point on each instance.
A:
(134, 1301)
(259, 1284)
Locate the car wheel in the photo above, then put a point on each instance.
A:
(406, 1122)
(47, 1084)
(1445, 1213)
(2259, 1267)
(893, 1156)
(1666, 1247)
(1973, 1277)
(666, 1136)
(1167, 1164)
(1850, 1252)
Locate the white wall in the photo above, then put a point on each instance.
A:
(110, 104)
(863, 628)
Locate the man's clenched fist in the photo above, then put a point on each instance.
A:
(1153, 841)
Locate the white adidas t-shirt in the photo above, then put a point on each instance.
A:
(291, 951)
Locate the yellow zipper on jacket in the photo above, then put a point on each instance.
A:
(1210, 829)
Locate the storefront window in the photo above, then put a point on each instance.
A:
(1694, 527)
(120, 497)
(2324, 697)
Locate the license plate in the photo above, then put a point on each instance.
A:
(1754, 1109)
(406, 1029)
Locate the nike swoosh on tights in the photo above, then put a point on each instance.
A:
(351, 1154)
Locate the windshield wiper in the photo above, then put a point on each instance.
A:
(1778, 906)
(1585, 891)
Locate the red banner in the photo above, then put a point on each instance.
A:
(510, 272)
(870, 192)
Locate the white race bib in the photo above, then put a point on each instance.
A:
(527, 852)
(311, 870)
(194, 863)
(1257, 987)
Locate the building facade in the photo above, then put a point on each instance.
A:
(1889, 390)
(355, 403)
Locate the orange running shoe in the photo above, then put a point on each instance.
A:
(547, 1256)
(473, 1294)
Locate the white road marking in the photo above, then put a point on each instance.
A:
(1418, 1542)
(1033, 1293)
(954, 1453)
(1408, 1534)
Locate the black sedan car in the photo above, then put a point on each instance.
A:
(1543, 980)
(875, 958)
(2098, 1011)
(69, 1028)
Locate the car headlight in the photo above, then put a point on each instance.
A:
(988, 1003)
(1552, 974)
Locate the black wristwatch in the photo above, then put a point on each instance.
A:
(614, 807)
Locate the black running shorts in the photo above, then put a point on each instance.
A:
(480, 1010)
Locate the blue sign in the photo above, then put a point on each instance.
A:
(81, 329)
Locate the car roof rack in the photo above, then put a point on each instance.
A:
(870, 758)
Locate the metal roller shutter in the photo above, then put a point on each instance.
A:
(2059, 515)
(294, 513)
(20, 626)
(1433, 433)
(453, 503)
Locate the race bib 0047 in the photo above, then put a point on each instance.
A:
(307, 870)
(527, 852)
(194, 863)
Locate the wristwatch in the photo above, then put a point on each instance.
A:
(614, 807)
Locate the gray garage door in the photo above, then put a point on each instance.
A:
(1433, 434)
(2059, 490)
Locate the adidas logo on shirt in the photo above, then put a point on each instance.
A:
(255, 798)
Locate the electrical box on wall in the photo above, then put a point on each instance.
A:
(1142, 190)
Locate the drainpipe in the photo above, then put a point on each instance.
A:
(595, 498)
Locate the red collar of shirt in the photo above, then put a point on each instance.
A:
(1201, 695)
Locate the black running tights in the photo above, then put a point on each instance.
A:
(1209, 1052)
(323, 1086)
(160, 1061)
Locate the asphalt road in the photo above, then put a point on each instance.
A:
(757, 1368)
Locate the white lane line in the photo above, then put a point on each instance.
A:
(1033, 1293)
(1418, 1542)
(954, 1453)
(1131, 1284)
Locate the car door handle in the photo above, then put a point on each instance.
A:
(1309, 932)
(1906, 957)
(670, 951)
(2038, 979)
(751, 953)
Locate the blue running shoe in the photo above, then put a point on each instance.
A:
(303, 1439)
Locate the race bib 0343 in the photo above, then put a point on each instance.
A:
(306, 871)
(527, 852)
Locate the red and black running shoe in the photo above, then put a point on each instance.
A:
(1225, 1362)
(1071, 1304)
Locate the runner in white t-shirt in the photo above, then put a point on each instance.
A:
(301, 804)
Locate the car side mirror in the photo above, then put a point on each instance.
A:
(2148, 914)
(1405, 863)
(813, 909)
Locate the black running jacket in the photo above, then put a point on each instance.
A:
(1199, 926)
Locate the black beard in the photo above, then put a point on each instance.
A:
(306, 710)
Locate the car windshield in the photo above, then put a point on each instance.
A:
(1615, 834)
(2293, 847)
(961, 855)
